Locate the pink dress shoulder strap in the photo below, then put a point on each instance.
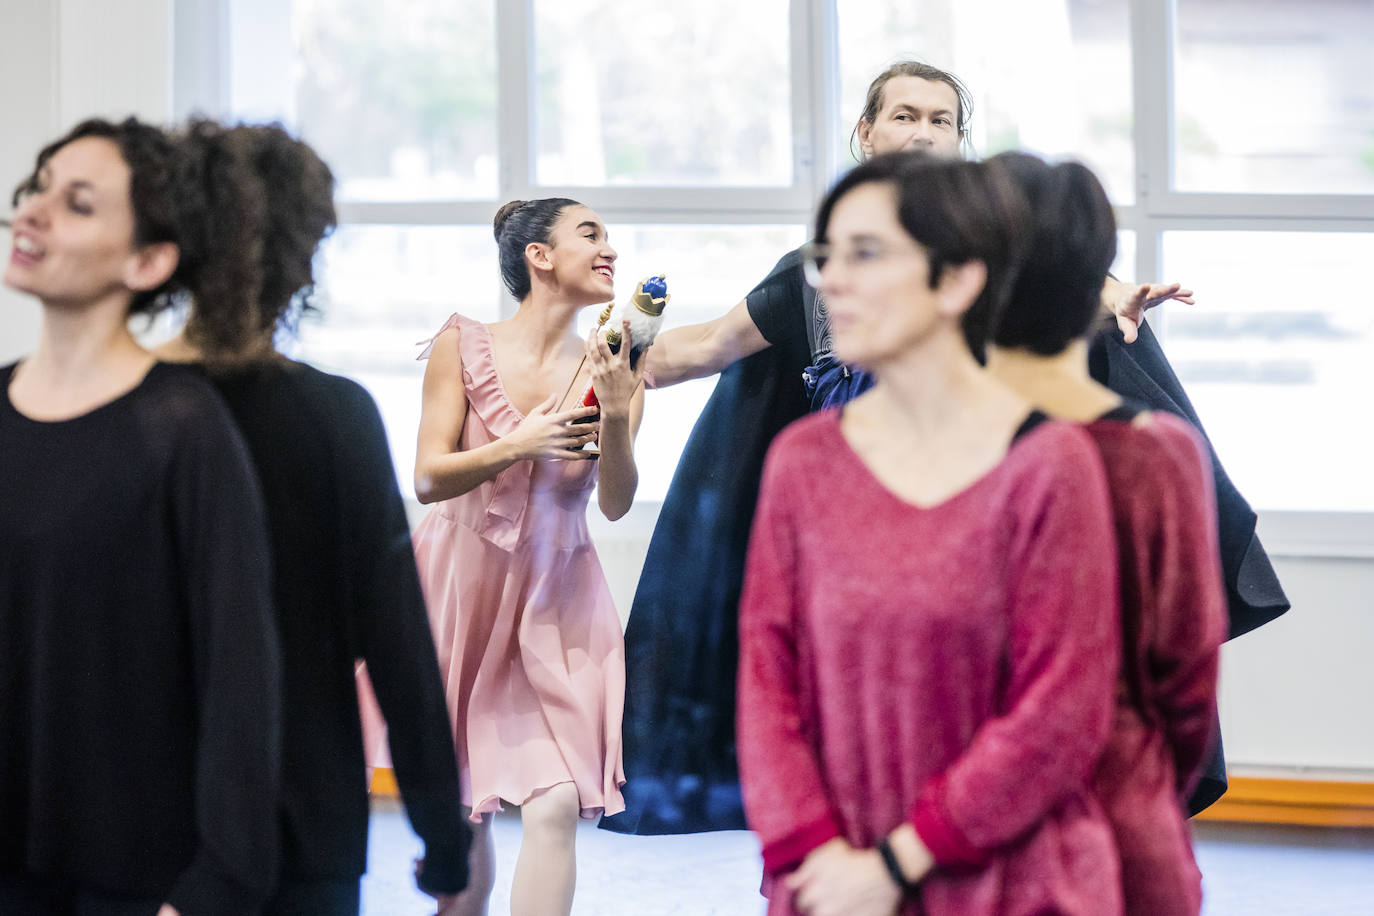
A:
(508, 497)
(486, 395)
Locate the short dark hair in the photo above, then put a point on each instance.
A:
(159, 192)
(873, 101)
(516, 225)
(958, 212)
(1071, 244)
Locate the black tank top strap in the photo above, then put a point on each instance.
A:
(1125, 412)
(1122, 412)
(1033, 419)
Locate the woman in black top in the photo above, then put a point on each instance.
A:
(139, 670)
(345, 581)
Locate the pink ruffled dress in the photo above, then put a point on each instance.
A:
(528, 638)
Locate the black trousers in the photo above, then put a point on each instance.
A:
(24, 895)
(314, 898)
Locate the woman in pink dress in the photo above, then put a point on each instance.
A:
(528, 638)
(927, 664)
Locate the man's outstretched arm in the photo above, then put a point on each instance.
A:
(699, 350)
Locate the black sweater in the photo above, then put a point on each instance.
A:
(139, 672)
(346, 587)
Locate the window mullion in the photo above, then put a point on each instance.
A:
(1175, 204)
(815, 94)
(1152, 39)
(1152, 69)
(514, 94)
(514, 108)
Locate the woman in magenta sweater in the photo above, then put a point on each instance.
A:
(1172, 598)
(927, 665)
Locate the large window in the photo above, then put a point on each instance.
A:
(1235, 138)
(385, 288)
(400, 96)
(1026, 65)
(1259, 175)
(1275, 97)
(683, 132)
(1278, 359)
(642, 94)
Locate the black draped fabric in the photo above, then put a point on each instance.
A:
(681, 645)
(1211, 785)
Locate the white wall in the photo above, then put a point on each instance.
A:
(66, 60)
(28, 117)
(114, 59)
(1294, 694)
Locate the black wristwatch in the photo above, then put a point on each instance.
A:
(894, 869)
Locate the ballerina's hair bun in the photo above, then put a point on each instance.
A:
(503, 215)
(516, 225)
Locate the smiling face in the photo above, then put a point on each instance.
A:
(73, 239)
(914, 114)
(580, 255)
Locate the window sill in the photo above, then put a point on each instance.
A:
(1334, 535)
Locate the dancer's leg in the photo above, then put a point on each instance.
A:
(546, 871)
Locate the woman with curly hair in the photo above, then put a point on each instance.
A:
(344, 582)
(139, 670)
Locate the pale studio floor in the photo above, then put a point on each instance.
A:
(1247, 871)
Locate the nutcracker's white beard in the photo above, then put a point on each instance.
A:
(643, 328)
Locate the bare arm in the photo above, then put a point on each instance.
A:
(1129, 302)
(619, 476)
(699, 350)
(621, 395)
(442, 471)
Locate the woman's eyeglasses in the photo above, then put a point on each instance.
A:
(815, 255)
(813, 258)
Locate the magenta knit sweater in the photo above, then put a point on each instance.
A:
(952, 666)
(1173, 610)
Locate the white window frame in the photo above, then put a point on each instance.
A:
(201, 81)
(1161, 208)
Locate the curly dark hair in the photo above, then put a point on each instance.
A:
(161, 195)
(227, 252)
(299, 190)
(273, 199)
